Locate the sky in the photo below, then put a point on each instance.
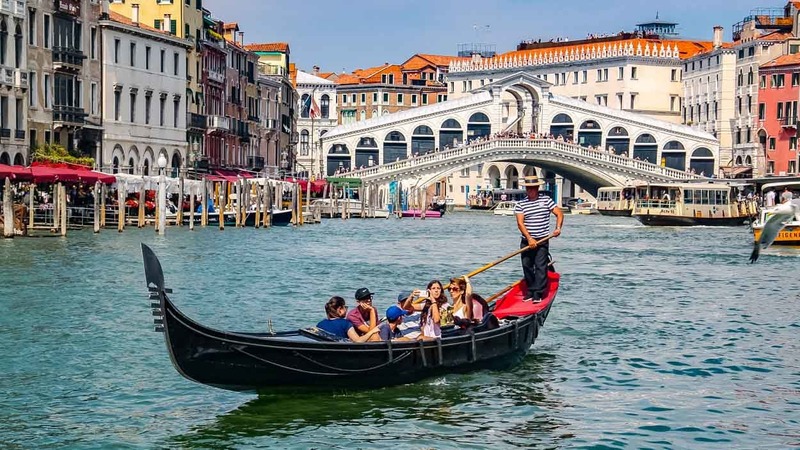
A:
(346, 35)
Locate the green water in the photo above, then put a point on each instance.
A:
(660, 338)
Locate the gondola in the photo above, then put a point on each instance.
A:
(263, 362)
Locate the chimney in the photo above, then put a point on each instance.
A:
(315, 70)
(717, 36)
(135, 14)
(165, 24)
(241, 38)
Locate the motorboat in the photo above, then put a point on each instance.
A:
(505, 209)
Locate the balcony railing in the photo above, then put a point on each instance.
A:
(69, 114)
(218, 123)
(20, 78)
(196, 121)
(788, 122)
(5, 132)
(216, 76)
(252, 118)
(19, 134)
(67, 55)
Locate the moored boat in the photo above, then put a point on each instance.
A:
(304, 359)
(417, 213)
(689, 204)
(505, 209)
(583, 208)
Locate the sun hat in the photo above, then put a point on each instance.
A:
(394, 312)
(531, 180)
(363, 294)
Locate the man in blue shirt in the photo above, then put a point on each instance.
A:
(533, 221)
(336, 324)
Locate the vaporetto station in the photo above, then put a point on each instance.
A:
(509, 128)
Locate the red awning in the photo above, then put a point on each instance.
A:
(18, 173)
(317, 186)
(231, 176)
(71, 173)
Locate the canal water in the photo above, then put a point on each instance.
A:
(659, 338)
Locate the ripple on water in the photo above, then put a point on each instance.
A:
(660, 338)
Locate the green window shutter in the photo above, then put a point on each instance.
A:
(157, 24)
(173, 27)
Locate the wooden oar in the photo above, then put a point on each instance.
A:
(504, 258)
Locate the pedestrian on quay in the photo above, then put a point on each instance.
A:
(533, 221)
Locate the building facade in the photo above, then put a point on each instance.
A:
(778, 94)
(64, 75)
(13, 83)
(318, 115)
(144, 106)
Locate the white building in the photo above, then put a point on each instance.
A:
(144, 97)
(310, 129)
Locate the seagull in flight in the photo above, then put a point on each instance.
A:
(778, 218)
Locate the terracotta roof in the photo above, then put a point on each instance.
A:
(116, 17)
(231, 26)
(785, 60)
(775, 36)
(346, 78)
(280, 47)
(372, 71)
(421, 60)
(686, 49)
(325, 75)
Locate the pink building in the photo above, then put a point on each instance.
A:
(778, 94)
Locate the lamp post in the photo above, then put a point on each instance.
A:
(162, 194)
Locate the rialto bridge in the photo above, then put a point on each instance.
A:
(468, 141)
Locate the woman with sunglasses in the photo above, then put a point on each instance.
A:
(336, 324)
(434, 312)
(460, 291)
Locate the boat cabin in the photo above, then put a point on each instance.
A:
(691, 204)
(616, 200)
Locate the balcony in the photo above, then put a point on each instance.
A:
(197, 121)
(5, 132)
(67, 58)
(14, 7)
(19, 134)
(788, 122)
(270, 124)
(253, 118)
(255, 162)
(7, 76)
(218, 123)
(20, 79)
(216, 76)
(68, 115)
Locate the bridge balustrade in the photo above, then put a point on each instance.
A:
(495, 143)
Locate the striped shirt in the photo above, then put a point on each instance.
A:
(537, 215)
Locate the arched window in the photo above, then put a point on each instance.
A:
(617, 132)
(646, 139)
(304, 149)
(702, 161)
(618, 142)
(479, 117)
(3, 41)
(645, 148)
(115, 165)
(131, 165)
(395, 136)
(325, 106)
(366, 152)
(674, 155)
(19, 160)
(590, 134)
(394, 147)
(673, 145)
(305, 106)
(422, 140)
(451, 123)
(176, 164)
(561, 118)
(450, 134)
(338, 158)
(750, 76)
(363, 115)
(423, 130)
(5, 159)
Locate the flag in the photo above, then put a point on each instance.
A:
(313, 111)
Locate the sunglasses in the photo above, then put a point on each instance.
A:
(455, 288)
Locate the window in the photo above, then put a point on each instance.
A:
(18, 114)
(762, 111)
(344, 99)
(47, 100)
(133, 107)
(32, 27)
(584, 76)
(79, 93)
(148, 102)
(751, 51)
(176, 65)
(363, 98)
(385, 98)
(793, 145)
(762, 81)
(93, 98)
(46, 31)
(633, 73)
(176, 108)
(780, 110)
(772, 143)
(32, 95)
(375, 98)
(633, 101)
(163, 56)
(93, 43)
(673, 76)
(147, 58)
(133, 54)
(4, 112)
(162, 107)
(673, 102)
(117, 101)
(575, 77)
(621, 74)
(116, 51)
(777, 80)
(424, 99)
(399, 99)
(619, 101)
(413, 99)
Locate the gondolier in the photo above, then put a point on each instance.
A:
(533, 221)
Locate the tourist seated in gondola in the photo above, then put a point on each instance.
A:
(409, 327)
(390, 330)
(479, 309)
(337, 325)
(363, 317)
(460, 291)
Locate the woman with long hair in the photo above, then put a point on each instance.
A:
(435, 311)
(460, 291)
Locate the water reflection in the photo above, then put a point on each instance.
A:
(450, 410)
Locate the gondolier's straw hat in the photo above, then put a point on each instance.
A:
(531, 180)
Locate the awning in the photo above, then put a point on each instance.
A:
(229, 175)
(736, 171)
(18, 173)
(55, 172)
